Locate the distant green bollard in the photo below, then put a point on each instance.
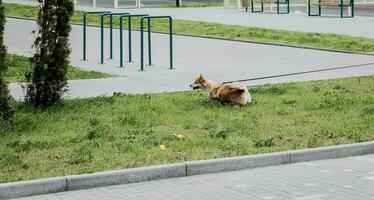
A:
(149, 39)
(85, 30)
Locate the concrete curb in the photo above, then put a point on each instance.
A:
(236, 163)
(33, 187)
(125, 176)
(338, 151)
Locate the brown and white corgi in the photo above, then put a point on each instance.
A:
(233, 92)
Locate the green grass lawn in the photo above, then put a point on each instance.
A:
(317, 40)
(124, 131)
(19, 65)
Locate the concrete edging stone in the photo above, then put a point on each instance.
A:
(32, 187)
(189, 168)
(125, 176)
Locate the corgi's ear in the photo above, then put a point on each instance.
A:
(201, 75)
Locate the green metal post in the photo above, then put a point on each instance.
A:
(84, 36)
(319, 8)
(121, 41)
(102, 39)
(277, 6)
(129, 33)
(129, 19)
(171, 41)
(253, 10)
(353, 8)
(85, 30)
(149, 42)
(111, 36)
(111, 31)
(341, 9)
(308, 7)
(141, 44)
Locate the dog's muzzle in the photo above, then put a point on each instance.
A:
(194, 86)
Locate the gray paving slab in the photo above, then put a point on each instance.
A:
(297, 20)
(220, 60)
(345, 178)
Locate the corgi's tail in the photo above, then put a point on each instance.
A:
(244, 90)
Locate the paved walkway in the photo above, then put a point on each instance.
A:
(297, 20)
(340, 179)
(219, 59)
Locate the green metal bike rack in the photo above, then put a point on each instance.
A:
(277, 2)
(341, 4)
(129, 17)
(102, 17)
(85, 27)
(149, 39)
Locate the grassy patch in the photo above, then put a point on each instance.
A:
(318, 40)
(20, 65)
(123, 131)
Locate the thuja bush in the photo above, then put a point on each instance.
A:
(6, 109)
(47, 82)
